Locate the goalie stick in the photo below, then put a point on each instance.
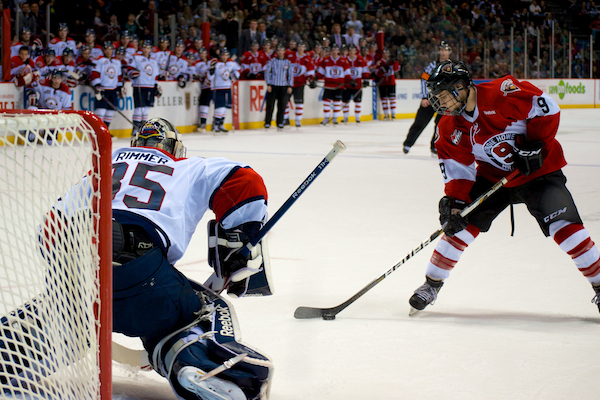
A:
(338, 147)
(139, 358)
(330, 313)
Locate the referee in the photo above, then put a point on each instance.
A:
(280, 81)
(425, 111)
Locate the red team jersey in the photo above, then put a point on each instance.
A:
(484, 143)
(253, 63)
(302, 67)
(335, 72)
(385, 70)
(358, 71)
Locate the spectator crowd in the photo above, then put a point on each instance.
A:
(478, 32)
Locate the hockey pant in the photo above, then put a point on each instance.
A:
(548, 200)
(208, 343)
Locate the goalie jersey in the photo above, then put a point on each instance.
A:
(173, 194)
(483, 144)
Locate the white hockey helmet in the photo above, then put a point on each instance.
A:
(160, 133)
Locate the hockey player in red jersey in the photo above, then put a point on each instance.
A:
(385, 73)
(253, 63)
(22, 69)
(488, 131)
(304, 71)
(359, 75)
(335, 70)
(268, 51)
(189, 330)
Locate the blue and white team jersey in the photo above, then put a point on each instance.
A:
(148, 69)
(224, 73)
(174, 193)
(106, 73)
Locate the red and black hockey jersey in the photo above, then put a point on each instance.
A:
(484, 143)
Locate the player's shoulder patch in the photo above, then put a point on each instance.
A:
(456, 136)
(508, 86)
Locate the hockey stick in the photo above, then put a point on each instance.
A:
(116, 109)
(338, 147)
(330, 313)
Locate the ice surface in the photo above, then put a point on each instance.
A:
(514, 320)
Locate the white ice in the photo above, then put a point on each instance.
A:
(513, 321)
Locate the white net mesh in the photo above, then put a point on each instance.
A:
(48, 257)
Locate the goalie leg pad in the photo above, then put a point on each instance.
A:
(211, 345)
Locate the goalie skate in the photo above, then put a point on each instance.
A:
(191, 378)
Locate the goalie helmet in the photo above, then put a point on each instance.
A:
(446, 85)
(160, 133)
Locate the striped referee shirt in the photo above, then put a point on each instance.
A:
(279, 72)
(425, 76)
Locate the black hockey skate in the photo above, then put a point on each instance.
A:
(426, 294)
(596, 299)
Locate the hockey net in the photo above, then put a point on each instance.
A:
(55, 256)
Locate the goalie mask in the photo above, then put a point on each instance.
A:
(160, 133)
(448, 87)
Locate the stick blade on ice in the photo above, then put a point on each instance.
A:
(308, 312)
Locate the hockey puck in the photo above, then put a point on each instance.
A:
(328, 316)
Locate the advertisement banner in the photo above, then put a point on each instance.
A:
(11, 97)
(568, 93)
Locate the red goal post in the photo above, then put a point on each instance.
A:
(55, 255)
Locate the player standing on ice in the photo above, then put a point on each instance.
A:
(487, 131)
(108, 83)
(385, 73)
(145, 88)
(304, 71)
(335, 70)
(221, 74)
(359, 75)
(189, 330)
(206, 96)
(425, 111)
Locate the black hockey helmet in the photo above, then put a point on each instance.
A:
(254, 43)
(108, 45)
(90, 32)
(135, 37)
(126, 34)
(63, 27)
(179, 42)
(55, 73)
(224, 50)
(25, 30)
(160, 133)
(50, 52)
(351, 46)
(451, 77)
(280, 47)
(266, 41)
(83, 48)
(334, 47)
(164, 39)
(120, 50)
(68, 52)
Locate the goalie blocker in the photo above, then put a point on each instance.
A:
(241, 276)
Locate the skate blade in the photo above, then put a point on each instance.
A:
(413, 311)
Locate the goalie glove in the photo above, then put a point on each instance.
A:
(528, 156)
(181, 81)
(224, 246)
(450, 218)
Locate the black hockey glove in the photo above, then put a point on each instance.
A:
(224, 251)
(365, 83)
(353, 84)
(450, 217)
(251, 77)
(528, 156)
(312, 84)
(157, 91)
